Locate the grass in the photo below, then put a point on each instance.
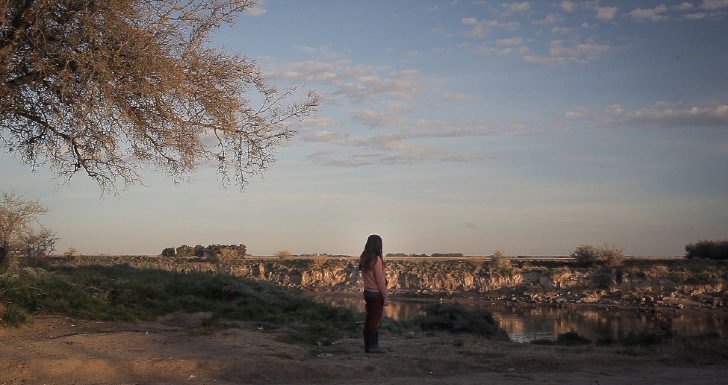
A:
(124, 293)
(707, 349)
(118, 291)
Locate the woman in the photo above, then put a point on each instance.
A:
(371, 265)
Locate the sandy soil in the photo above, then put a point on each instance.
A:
(176, 350)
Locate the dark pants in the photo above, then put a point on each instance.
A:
(374, 305)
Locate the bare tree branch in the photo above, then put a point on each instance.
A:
(110, 86)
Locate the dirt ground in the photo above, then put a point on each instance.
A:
(176, 350)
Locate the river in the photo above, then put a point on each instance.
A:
(528, 323)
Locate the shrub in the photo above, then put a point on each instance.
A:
(706, 249)
(284, 254)
(588, 255)
(642, 339)
(455, 318)
(500, 263)
(572, 338)
(185, 251)
(229, 255)
(585, 254)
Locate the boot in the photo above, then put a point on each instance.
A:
(366, 341)
(374, 343)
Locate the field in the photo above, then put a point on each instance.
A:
(120, 325)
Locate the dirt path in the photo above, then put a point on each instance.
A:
(174, 350)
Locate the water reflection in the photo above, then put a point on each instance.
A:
(523, 323)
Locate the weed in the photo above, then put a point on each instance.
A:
(456, 318)
(572, 338)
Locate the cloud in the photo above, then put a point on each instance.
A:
(319, 122)
(683, 7)
(376, 119)
(329, 158)
(652, 14)
(550, 19)
(714, 5)
(606, 13)
(568, 6)
(358, 83)
(256, 10)
(458, 97)
(481, 29)
(693, 116)
(661, 114)
(510, 41)
(559, 53)
(516, 7)
(396, 147)
(579, 113)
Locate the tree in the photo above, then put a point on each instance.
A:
(18, 232)
(707, 249)
(104, 87)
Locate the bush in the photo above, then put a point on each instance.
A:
(283, 254)
(706, 249)
(608, 256)
(455, 318)
(500, 263)
(572, 338)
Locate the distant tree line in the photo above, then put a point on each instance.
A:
(706, 249)
(447, 255)
(434, 255)
(212, 253)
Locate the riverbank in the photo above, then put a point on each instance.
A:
(289, 341)
(177, 349)
(652, 283)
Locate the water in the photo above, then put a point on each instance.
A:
(528, 323)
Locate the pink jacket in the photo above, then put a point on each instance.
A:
(376, 279)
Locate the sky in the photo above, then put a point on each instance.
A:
(529, 127)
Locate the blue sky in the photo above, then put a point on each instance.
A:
(454, 126)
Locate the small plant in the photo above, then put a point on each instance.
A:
(572, 338)
(608, 256)
(500, 263)
(71, 252)
(283, 254)
(642, 339)
(455, 318)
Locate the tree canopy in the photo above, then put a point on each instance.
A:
(107, 87)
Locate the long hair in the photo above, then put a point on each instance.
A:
(372, 251)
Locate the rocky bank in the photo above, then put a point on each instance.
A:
(647, 282)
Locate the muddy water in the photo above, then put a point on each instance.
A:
(527, 323)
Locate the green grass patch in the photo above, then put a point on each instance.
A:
(124, 293)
